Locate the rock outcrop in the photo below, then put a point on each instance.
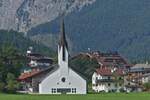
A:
(22, 15)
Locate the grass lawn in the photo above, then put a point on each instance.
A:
(110, 96)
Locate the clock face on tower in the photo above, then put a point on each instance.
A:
(63, 79)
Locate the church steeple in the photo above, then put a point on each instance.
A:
(63, 41)
(63, 51)
(63, 45)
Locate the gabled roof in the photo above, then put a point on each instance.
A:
(36, 55)
(109, 59)
(105, 71)
(34, 73)
(27, 75)
(141, 66)
(146, 75)
(120, 72)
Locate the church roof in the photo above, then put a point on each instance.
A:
(63, 41)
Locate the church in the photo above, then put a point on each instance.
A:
(57, 79)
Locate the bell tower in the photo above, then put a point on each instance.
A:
(63, 51)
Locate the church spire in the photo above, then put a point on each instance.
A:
(63, 45)
(63, 41)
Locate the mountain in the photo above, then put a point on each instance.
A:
(105, 25)
(108, 25)
(21, 15)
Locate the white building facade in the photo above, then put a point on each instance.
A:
(63, 80)
(104, 80)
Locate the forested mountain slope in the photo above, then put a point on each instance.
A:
(116, 25)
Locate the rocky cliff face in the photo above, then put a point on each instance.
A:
(22, 15)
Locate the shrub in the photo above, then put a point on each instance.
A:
(2, 85)
(12, 84)
(147, 86)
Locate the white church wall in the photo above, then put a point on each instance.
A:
(49, 82)
(78, 82)
(54, 82)
(63, 64)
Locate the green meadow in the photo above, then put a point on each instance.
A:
(103, 96)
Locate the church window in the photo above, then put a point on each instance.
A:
(64, 54)
(53, 90)
(73, 90)
(63, 79)
(63, 90)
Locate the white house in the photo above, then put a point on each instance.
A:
(37, 60)
(40, 62)
(107, 80)
(146, 78)
(64, 80)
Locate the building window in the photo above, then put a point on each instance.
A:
(120, 78)
(63, 79)
(96, 84)
(116, 85)
(96, 78)
(108, 84)
(93, 85)
(53, 90)
(64, 90)
(120, 84)
(73, 90)
(128, 83)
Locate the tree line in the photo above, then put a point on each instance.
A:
(11, 61)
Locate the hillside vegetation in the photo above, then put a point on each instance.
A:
(22, 43)
(116, 25)
(13, 48)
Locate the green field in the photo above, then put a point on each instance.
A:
(117, 96)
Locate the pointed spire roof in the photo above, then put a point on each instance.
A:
(63, 41)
